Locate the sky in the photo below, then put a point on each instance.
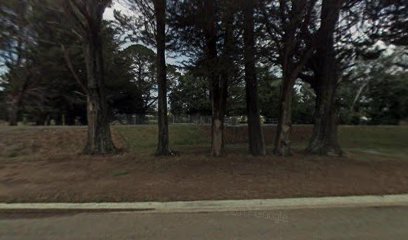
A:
(116, 5)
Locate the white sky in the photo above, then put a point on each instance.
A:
(116, 5)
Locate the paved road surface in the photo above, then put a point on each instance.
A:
(390, 223)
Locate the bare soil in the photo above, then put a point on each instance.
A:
(46, 166)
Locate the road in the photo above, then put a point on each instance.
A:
(314, 224)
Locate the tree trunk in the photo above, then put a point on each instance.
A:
(324, 139)
(13, 107)
(282, 141)
(255, 135)
(291, 69)
(217, 129)
(163, 126)
(12, 115)
(216, 81)
(99, 134)
(218, 103)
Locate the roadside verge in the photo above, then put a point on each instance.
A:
(219, 205)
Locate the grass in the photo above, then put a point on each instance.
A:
(30, 142)
(378, 140)
(375, 140)
(143, 139)
(120, 173)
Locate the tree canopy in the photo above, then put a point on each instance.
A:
(320, 62)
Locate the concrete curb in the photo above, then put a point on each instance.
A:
(221, 205)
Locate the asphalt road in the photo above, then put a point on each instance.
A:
(390, 223)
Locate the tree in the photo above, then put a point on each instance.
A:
(388, 20)
(87, 17)
(269, 89)
(197, 25)
(378, 95)
(190, 95)
(163, 138)
(150, 27)
(216, 92)
(324, 138)
(256, 140)
(15, 38)
(143, 82)
(289, 25)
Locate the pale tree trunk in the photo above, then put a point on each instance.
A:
(163, 126)
(284, 127)
(99, 134)
(217, 128)
(324, 139)
(291, 72)
(255, 134)
(218, 103)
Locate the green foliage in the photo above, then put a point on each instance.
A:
(387, 99)
(38, 80)
(303, 104)
(379, 91)
(190, 96)
(137, 91)
(269, 94)
(129, 90)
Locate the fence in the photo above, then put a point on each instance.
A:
(135, 119)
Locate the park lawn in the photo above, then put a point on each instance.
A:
(386, 141)
(44, 164)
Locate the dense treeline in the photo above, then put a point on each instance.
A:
(323, 62)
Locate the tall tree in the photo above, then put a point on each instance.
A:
(199, 27)
(15, 40)
(324, 139)
(255, 135)
(150, 28)
(217, 98)
(87, 17)
(288, 24)
(190, 96)
(163, 138)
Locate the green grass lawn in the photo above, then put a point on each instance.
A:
(368, 141)
(143, 139)
(377, 140)
(380, 140)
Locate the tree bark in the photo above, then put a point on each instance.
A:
(12, 114)
(291, 68)
(216, 82)
(163, 126)
(255, 134)
(99, 134)
(284, 127)
(324, 139)
(218, 115)
(13, 105)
